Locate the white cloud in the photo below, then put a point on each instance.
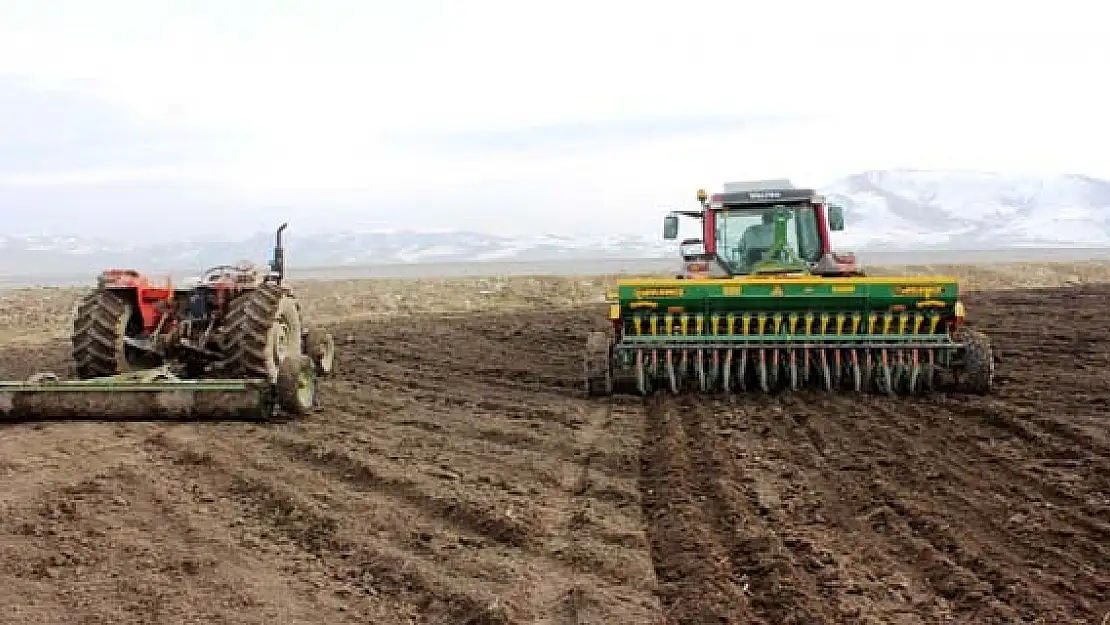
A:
(103, 176)
(320, 91)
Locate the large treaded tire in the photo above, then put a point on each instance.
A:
(262, 328)
(978, 362)
(99, 327)
(597, 365)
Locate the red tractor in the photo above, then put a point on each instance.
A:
(238, 322)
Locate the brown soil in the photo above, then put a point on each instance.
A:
(457, 474)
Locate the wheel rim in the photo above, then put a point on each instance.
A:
(123, 365)
(281, 341)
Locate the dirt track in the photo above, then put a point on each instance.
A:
(458, 475)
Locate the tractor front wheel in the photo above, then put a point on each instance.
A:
(296, 385)
(320, 347)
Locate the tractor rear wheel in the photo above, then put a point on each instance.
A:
(99, 328)
(262, 328)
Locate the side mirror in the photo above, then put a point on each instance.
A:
(670, 227)
(836, 218)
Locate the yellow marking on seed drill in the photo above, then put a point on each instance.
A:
(731, 320)
(637, 325)
(745, 324)
(918, 319)
(653, 323)
(699, 323)
(762, 322)
(658, 292)
(872, 319)
(824, 323)
(903, 323)
(809, 323)
(777, 321)
(668, 321)
(888, 321)
(931, 303)
(614, 311)
(919, 290)
(684, 324)
(840, 319)
(933, 321)
(715, 321)
(793, 321)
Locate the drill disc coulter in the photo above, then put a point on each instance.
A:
(764, 304)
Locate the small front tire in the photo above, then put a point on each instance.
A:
(296, 385)
(320, 347)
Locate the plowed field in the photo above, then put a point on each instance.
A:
(457, 474)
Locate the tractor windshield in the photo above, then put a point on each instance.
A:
(767, 239)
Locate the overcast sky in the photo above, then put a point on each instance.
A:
(516, 116)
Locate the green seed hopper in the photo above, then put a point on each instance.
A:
(764, 304)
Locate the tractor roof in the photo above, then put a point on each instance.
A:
(758, 185)
(764, 196)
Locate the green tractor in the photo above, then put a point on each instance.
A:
(764, 303)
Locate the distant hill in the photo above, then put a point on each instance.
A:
(885, 210)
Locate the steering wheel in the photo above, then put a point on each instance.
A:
(219, 272)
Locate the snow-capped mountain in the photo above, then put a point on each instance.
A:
(51, 255)
(971, 210)
(913, 210)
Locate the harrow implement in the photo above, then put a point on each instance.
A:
(158, 394)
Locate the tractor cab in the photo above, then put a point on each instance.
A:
(761, 228)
